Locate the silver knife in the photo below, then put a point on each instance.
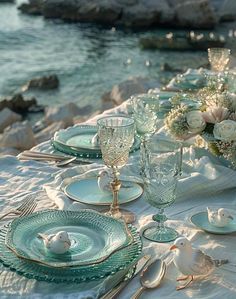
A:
(118, 288)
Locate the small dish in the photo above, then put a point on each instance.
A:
(87, 191)
(201, 221)
(94, 237)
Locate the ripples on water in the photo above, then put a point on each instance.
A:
(88, 59)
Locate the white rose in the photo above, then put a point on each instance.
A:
(225, 130)
(195, 121)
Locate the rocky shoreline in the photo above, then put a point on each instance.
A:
(17, 134)
(201, 14)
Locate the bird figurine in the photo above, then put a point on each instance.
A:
(192, 262)
(58, 243)
(220, 217)
(104, 181)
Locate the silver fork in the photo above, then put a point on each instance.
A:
(21, 209)
(29, 210)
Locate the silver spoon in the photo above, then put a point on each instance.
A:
(151, 276)
(65, 162)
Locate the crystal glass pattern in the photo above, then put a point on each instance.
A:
(116, 136)
(144, 109)
(218, 58)
(160, 190)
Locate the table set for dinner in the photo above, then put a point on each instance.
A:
(124, 204)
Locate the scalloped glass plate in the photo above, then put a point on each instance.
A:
(77, 141)
(94, 237)
(87, 191)
(120, 260)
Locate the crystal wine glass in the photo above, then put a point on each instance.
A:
(219, 59)
(116, 136)
(144, 110)
(160, 192)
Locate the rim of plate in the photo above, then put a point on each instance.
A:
(98, 261)
(64, 189)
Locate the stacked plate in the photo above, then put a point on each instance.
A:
(100, 246)
(77, 141)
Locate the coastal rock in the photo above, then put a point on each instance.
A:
(8, 151)
(48, 132)
(195, 14)
(7, 1)
(33, 7)
(17, 103)
(81, 10)
(19, 136)
(65, 113)
(227, 11)
(8, 117)
(125, 89)
(133, 13)
(191, 41)
(43, 83)
(147, 13)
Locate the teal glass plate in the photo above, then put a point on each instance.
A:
(87, 191)
(120, 260)
(201, 221)
(77, 141)
(94, 237)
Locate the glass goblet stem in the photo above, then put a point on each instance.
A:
(115, 184)
(145, 157)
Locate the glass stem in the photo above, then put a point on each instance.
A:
(115, 184)
(160, 218)
(180, 159)
(145, 157)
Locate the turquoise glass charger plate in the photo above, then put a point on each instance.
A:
(77, 141)
(87, 191)
(201, 221)
(120, 260)
(94, 237)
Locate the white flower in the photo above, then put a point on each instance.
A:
(225, 130)
(195, 121)
(215, 114)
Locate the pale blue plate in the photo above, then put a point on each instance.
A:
(87, 191)
(94, 237)
(120, 260)
(77, 141)
(201, 221)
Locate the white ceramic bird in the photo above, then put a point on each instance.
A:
(58, 243)
(192, 262)
(220, 217)
(104, 181)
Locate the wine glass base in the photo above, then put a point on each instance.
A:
(125, 215)
(160, 235)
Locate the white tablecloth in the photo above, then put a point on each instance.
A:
(17, 179)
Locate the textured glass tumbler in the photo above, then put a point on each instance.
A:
(218, 58)
(144, 112)
(116, 136)
(160, 191)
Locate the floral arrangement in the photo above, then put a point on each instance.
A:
(214, 121)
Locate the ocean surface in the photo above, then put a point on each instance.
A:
(88, 59)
